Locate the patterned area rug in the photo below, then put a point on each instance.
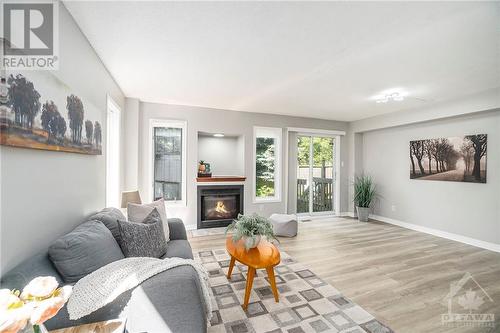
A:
(306, 303)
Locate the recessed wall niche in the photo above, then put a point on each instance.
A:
(226, 154)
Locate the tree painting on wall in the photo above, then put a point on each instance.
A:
(38, 111)
(460, 159)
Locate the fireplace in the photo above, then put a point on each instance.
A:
(219, 205)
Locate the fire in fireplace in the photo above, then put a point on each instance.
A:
(216, 207)
(219, 205)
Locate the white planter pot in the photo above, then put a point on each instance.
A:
(251, 242)
(363, 213)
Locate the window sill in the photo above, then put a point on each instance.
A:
(270, 200)
(175, 204)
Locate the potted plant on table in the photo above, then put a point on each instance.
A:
(364, 194)
(251, 228)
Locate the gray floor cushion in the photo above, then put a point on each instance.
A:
(284, 224)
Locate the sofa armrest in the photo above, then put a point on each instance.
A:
(177, 229)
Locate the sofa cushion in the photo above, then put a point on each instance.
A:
(109, 217)
(85, 249)
(179, 248)
(137, 213)
(146, 239)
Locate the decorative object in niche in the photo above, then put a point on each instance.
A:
(460, 159)
(40, 112)
(204, 169)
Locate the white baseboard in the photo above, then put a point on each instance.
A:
(347, 214)
(444, 234)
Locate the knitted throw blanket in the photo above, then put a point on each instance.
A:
(103, 286)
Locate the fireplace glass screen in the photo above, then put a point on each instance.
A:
(217, 207)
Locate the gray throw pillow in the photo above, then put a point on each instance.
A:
(85, 249)
(137, 213)
(109, 217)
(146, 239)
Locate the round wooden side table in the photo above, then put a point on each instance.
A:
(265, 255)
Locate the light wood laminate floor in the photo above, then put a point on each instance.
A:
(400, 276)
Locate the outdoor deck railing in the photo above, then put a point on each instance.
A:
(322, 195)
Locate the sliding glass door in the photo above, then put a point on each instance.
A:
(316, 168)
(303, 173)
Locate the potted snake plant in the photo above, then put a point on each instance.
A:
(251, 228)
(364, 195)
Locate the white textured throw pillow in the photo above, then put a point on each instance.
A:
(137, 213)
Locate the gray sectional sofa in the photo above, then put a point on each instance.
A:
(171, 301)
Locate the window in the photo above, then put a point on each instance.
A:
(267, 157)
(168, 156)
(112, 154)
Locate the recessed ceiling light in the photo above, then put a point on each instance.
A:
(219, 135)
(390, 95)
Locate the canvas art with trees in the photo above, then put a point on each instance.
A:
(31, 119)
(461, 159)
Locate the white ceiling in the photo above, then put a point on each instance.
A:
(314, 59)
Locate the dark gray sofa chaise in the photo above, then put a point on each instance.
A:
(171, 301)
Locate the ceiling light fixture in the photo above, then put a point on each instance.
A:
(390, 95)
(219, 135)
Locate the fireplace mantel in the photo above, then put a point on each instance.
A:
(217, 179)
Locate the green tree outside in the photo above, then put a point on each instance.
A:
(265, 166)
(322, 153)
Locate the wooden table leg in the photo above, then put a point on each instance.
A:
(248, 289)
(272, 281)
(231, 266)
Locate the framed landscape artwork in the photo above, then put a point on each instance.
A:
(459, 159)
(38, 111)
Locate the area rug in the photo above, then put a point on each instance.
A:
(306, 302)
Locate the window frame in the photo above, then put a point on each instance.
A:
(113, 108)
(172, 123)
(277, 134)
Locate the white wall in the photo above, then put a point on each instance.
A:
(130, 135)
(223, 121)
(226, 155)
(476, 103)
(465, 209)
(45, 194)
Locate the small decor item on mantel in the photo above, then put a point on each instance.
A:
(204, 169)
(201, 166)
(251, 228)
(26, 311)
(364, 194)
